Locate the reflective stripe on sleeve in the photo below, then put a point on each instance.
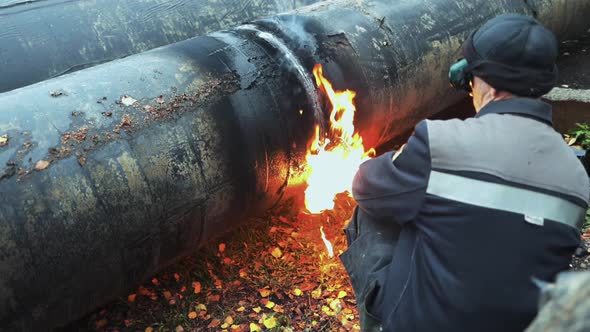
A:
(534, 206)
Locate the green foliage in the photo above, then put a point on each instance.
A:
(587, 221)
(580, 135)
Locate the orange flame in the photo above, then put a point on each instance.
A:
(332, 164)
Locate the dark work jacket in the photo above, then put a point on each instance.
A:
(487, 204)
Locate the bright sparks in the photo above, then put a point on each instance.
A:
(327, 243)
(334, 159)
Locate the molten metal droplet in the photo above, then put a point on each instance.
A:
(327, 243)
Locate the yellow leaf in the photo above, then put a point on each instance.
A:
(269, 304)
(149, 329)
(254, 327)
(240, 309)
(257, 309)
(316, 294)
(192, 315)
(224, 326)
(336, 305)
(201, 307)
(264, 292)
(297, 292)
(229, 320)
(41, 165)
(342, 294)
(3, 140)
(276, 252)
(270, 322)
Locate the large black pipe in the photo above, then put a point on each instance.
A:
(40, 39)
(136, 180)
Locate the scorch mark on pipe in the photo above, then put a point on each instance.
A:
(302, 73)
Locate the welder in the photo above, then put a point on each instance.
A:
(453, 230)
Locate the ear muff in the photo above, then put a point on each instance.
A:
(460, 76)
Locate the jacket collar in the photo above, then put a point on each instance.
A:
(527, 107)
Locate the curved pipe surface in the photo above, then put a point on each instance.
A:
(114, 171)
(41, 39)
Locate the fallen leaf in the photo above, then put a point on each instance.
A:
(4, 140)
(167, 295)
(149, 329)
(179, 329)
(41, 165)
(571, 141)
(317, 293)
(57, 93)
(257, 309)
(224, 326)
(176, 276)
(336, 306)
(201, 307)
(197, 287)
(144, 291)
(240, 309)
(276, 252)
(128, 322)
(131, 297)
(229, 320)
(192, 315)
(297, 292)
(254, 327)
(269, 304)
(214, 323)
(218, 284)
(342, 294)
(243, 273)
(214, 298)
(101, 323)
(264, 292)
(221, 247)
(155, 282)
(127, 100)
(270, 322)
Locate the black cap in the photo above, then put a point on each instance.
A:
(514, 53)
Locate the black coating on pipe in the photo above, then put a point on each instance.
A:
(214, 135)
(48, 38)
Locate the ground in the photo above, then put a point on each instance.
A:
(274, 273)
